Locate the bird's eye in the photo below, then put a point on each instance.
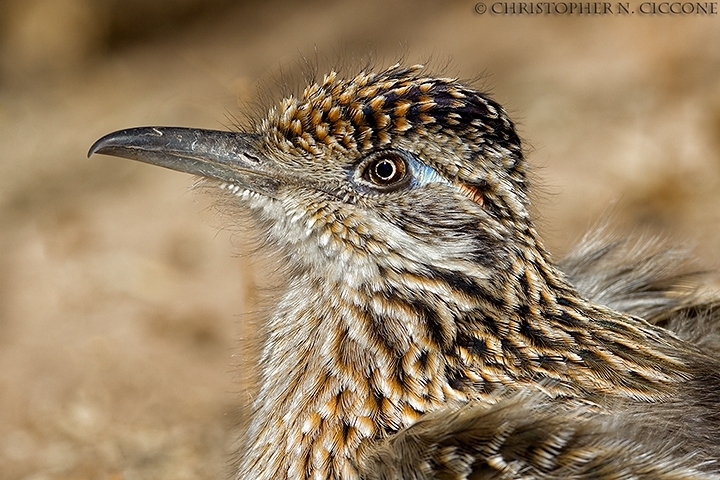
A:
(386, 169)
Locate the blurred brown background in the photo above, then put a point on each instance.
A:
(122, 299)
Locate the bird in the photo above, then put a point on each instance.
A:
(424, 330)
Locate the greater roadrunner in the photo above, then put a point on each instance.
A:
(425, 331)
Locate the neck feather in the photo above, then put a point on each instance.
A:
(345, 364)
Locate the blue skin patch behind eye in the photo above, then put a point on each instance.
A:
(423, 174)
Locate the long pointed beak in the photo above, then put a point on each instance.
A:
(225, 156)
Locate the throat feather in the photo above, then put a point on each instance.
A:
(338, 379)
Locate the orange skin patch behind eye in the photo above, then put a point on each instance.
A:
(473, 194)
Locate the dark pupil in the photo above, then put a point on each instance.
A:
(385, 170)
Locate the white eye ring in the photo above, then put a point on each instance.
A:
(386, 169)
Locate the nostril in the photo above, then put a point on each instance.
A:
(251, 158)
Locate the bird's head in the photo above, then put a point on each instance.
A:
(395, 166)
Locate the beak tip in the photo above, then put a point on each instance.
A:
(93, 149)
(100, 146)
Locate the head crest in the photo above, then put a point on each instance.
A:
(368, 110)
